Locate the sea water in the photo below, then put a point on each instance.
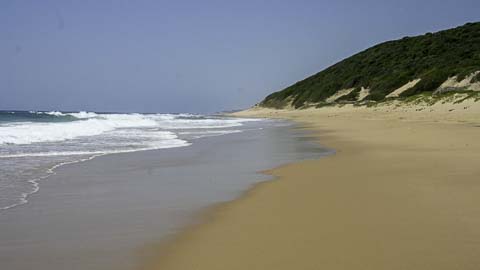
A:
(34, 143)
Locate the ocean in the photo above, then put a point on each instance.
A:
(33, 144)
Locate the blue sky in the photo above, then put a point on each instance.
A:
(190, 56)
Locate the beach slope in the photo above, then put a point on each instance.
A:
(401, 192)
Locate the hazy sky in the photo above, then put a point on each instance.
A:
(190, 56)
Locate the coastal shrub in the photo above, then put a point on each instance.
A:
(375, 96)
(475, 78)
(352, 96)
(432, 57)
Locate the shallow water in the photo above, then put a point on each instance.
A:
(99, 213)
(32, 144)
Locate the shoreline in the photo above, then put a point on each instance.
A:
(37, 181)
(51, 171)
(104, 213)
(413, 209)
(149, 254)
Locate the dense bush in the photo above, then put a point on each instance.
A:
(387, 66)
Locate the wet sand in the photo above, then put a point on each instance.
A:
(400, 193)
(105, 213)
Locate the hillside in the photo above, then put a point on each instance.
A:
(438, 62)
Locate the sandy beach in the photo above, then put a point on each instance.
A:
(401, 192)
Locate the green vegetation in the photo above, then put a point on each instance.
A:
(385, 67)
(428, 99)
(476, 78)
(352, 97)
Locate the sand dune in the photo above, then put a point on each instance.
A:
(403, 88)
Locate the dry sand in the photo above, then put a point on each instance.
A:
(402, 192)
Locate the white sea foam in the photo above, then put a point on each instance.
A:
(80, 115)
(92, 124)
(54, 113)
(152, 141)
(203, 123)
(28, 132)
(83, 115)
(35, 183)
